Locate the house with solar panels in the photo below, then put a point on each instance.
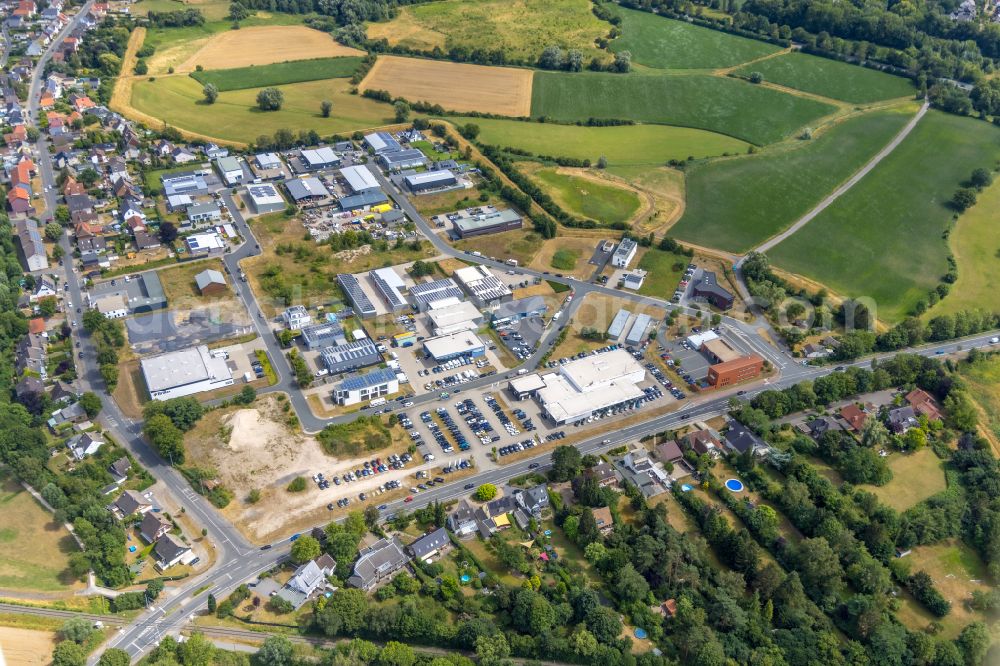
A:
(376, 383)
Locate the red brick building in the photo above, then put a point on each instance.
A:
(735, 371)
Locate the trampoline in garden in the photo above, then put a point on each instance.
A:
(734, 485)
(685, 488)
(640, 632)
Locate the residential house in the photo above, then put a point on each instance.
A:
(119, 469)
(429, 545)
(640, 470)
(44, 288)
(30, 355)
(669, 451)
(378, 563)
(308, 580)
(605, 521)
(72, 413)
(85, 444)
(130, 503)
(533, 500)
(462, 521)
(902, 419)
(62, 392)
(741, 439)
(169, 550)
(29, 389)
(30, 239)
(813, 350)
(605, 474)
(822, 425)
(854, 417)
(923, 403)
(153, 526)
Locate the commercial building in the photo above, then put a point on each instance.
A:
(320, 158)
(446, 347)
(591, 384)
(637, 333)
(707, 289)
(454, 317)
(210, 282)
(205, 244)
(189, 182)
(359, 300)
(483, 286)
(265, 198)
(735, 371)
(185, 372)
(487, 223)
(634, 279)
(518, 309)
(389, 286)
(359, 179)
(318, 336)
(361, 201)
(430, 180)
(296, 317)
(624, 253)
(526, 386)
(306, 190)
(376, 383)
(617, 326)
(208, 211)
(382, 142)
(267, 161)
(718, 351)
(424, 294)
(141, 294)
(397, 160)
(230, 169)
(350, 356)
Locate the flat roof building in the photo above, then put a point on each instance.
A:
(188, 182)
(719, 351)
(296, 317)
(389, 286)
(202, 244)
(488, 223)
(735, 371)
(617, 326)
(381, 142)
(591, 384)
(462, 343)
(356, 295)
(141, 294)
(207, 211)
(376, 383)
(408, 158)
(430, 180)
(518, 309)
(624, 253)
(318, 336)
(307, 189)
(231, 169)
(526, 385)
(424, 294)
(460, 316)
(359, 179)
(363, 200)
(350, 356)
(267, 161)
(637, 333)
(319, 158)
(185, 372)
(483, 286)
(265, 198)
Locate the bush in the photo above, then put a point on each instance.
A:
(297, 485)
(486, 492)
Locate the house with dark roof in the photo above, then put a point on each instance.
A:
(169, 550)
(533, 500)
(741, 439)
(605, 474)
(84, 444)
(130, 502)
(153, 526)
(902, 419)
(822, 425)
(462, 521)
(29, 388)
(308, 580)
(707, 288)
(429, 544)
(377, 563)
(702, 442)
(669, 451)
(119, 469)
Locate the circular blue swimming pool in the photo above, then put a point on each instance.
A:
(640, 632)
(734, 485)
(685, 488)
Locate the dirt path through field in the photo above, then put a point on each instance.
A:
(725, 71)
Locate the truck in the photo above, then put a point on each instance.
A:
(377, 402)
(511, 262)
(556, 316)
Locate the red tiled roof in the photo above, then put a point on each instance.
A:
(36, 325)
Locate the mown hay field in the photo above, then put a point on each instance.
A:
(456, 87)
(278, 74)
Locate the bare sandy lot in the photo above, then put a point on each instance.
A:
(455, 86)
(254, 449)
(264, 45)
(21, 647)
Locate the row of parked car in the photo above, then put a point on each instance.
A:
(553, 436)
(567, 359)
(667, 384)
(505, 421)
(526, 423)
(474, 418)
(514, 448)
(683, 284)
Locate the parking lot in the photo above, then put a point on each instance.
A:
(694, 363)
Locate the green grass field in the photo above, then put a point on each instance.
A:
(623, 145)
(605, 203)
(565, 260)
(520, 28)
(665, 43)
(916, 476)
(280, 73)
(975, 242)
(665, 271)
(831, 78)
(177, 100)
(882, 239)
(214, 10)
(719, 104)
(983, 378)
(738, 203)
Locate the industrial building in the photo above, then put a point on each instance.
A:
(318, 336)
(141, 294)
(733, 372)
(409, 158)
(426, 181)
(389, 286)
(718, 351)
(487, 223)
(426, 293)
(454, 317)
(522, 308)
(624, 253)
(637, 333)
(361, 201)
(359, 179)
(376, 383)
(634, 279)
(446, 347)
(356, 295)
(188, 182)
(230, 169)
(526, 386)
(350, 356)
(267, 161)
(305, 190)
(617, 326)
(590, 384)
(483, 286)
(185, 372)
(320, 158)
(296, 317)
(382, 142)
(265, 198)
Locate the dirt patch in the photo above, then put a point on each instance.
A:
(264, 45)
(584, 248)
(405, 29)
(20, 647)
(456, 87)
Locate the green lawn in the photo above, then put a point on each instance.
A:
(665, 271)
(665, 43)
(565, 259)
(607, 204)
(916, 476)
(975, 242)
(279, 73)
(831, 78)
(623, 145)
(882, 239)
(736, 204)
(177, 100)
(719, 104)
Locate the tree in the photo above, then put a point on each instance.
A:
(91, 403)
(372, 516)
(755, 77)
(304, 549)
(297, 485)
(69, 653)
(76, 629)
(168, 232)
(246, 396)
(396, 654)
(114, 657)
(62, 214)
(402, 110)
(344, 612)
(974, 641)
(602, 162)
(276, 651)
(630, 585)
(492, 649)
(141, 68)
(551, 58)
(604, 623)
(165, 437)
(964, 198)
(53, 231)
(623, 62)
(280, 605)
(981, 178)
(270, 99)
(211, 93)
(874, 434)
(196, 651)
(566, 463)
(212, 604)
(238, 12)
(421, 268)
(325, 107)
(486, 492)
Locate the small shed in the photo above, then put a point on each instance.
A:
(210, 282)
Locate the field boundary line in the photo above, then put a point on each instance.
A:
(851, 182)
(725, 71)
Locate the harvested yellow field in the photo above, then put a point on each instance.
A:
(407, 29)
(264, 45)
(24, 647)
(456, 87)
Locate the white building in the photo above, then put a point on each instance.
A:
(265, 198)
(376, 383)
(446, 347)
(230, 169)
(185, 372)
(483, 286)
(359, 179)
(202, 244)
(591, 384)
(625, 253)
(454, 317)
(296, 317)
